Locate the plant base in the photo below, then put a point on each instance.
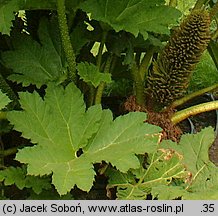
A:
(161, 119)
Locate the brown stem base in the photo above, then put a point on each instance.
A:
(161, 119)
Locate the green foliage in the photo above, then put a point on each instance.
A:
(184, 5)
(160, 170)
(19, 177)
(181, 171)
(56, 149)
(33, 63)
(64, 140)
(194, 149)
(79, 37)
(4, 126)
(133, 16)
(212, 49)
(4, 100)
(7, 9)
(170, 192)
(91, 74)
(120, 87)
(204, 75)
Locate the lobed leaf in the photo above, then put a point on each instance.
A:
(60, 127)
(33, 63)
(91, 74)
(160, 171)
(202, 182)
(194, 148)
(138, 16)
(174, 171)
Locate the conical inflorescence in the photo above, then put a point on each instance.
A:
(172, 71)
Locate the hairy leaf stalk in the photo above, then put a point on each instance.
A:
(68, 49)
(172, 71)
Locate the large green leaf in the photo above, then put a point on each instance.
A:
(163, 167)
(34, 63)
(91, 74)
(7, 9)
(203, 174)
(204, 182)
(4, 100)
(60, 126)
(194, 148)
(135, 16)
(204, 186)
(174, 171)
